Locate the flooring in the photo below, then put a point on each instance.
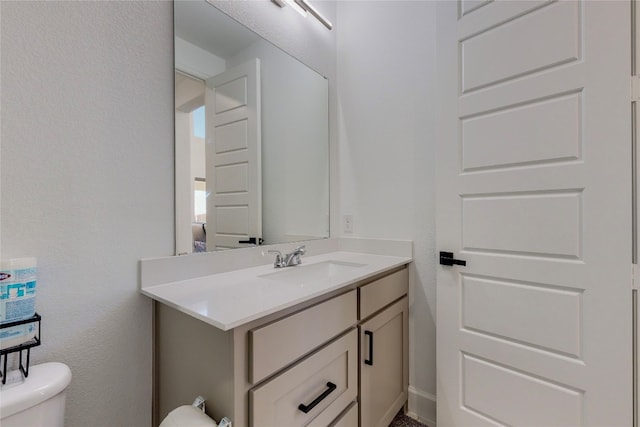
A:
(402, 420)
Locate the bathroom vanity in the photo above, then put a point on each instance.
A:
(335, 354)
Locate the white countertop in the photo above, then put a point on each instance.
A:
(231, 299)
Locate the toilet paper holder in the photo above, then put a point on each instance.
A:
(199, 403)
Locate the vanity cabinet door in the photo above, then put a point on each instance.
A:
(384, 365)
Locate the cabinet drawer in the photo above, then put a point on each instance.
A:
(278, 344)
(347, 419)
(382, 292)
(323, 384)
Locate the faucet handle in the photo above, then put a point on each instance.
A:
(301, 249)
(279, 260)
(278, 254)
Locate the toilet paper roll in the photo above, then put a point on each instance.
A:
(187, 416)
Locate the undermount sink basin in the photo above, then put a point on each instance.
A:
(312, 272)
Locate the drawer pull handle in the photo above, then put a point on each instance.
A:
(306, 408)
(370, 360)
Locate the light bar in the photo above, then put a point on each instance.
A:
(302, 7)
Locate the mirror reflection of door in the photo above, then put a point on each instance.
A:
(231, 158)
(234, 161)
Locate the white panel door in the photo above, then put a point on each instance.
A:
(534, 193)
(234, 161)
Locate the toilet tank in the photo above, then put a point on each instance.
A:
(38, 400)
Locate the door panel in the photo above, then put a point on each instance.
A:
(534, 178)
(468, 6)
(514, 306)
(531, 42)
(231, 94)
(519, 399)
(552, 228)
(514, 137)
(231, 137)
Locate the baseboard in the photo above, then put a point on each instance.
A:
(422, 406)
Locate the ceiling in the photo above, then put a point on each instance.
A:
(205, 26)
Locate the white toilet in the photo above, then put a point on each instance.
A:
(38, 400)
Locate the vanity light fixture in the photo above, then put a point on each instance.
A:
(296, 7)
(305, 6)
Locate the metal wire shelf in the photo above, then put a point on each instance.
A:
(26, 346)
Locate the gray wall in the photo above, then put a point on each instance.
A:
(386, 110)
(86, 184)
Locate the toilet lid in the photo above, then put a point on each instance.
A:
(45, 381)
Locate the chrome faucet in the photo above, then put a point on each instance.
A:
(293, 258)
(290, 259)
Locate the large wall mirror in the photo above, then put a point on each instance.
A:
(252, 137)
